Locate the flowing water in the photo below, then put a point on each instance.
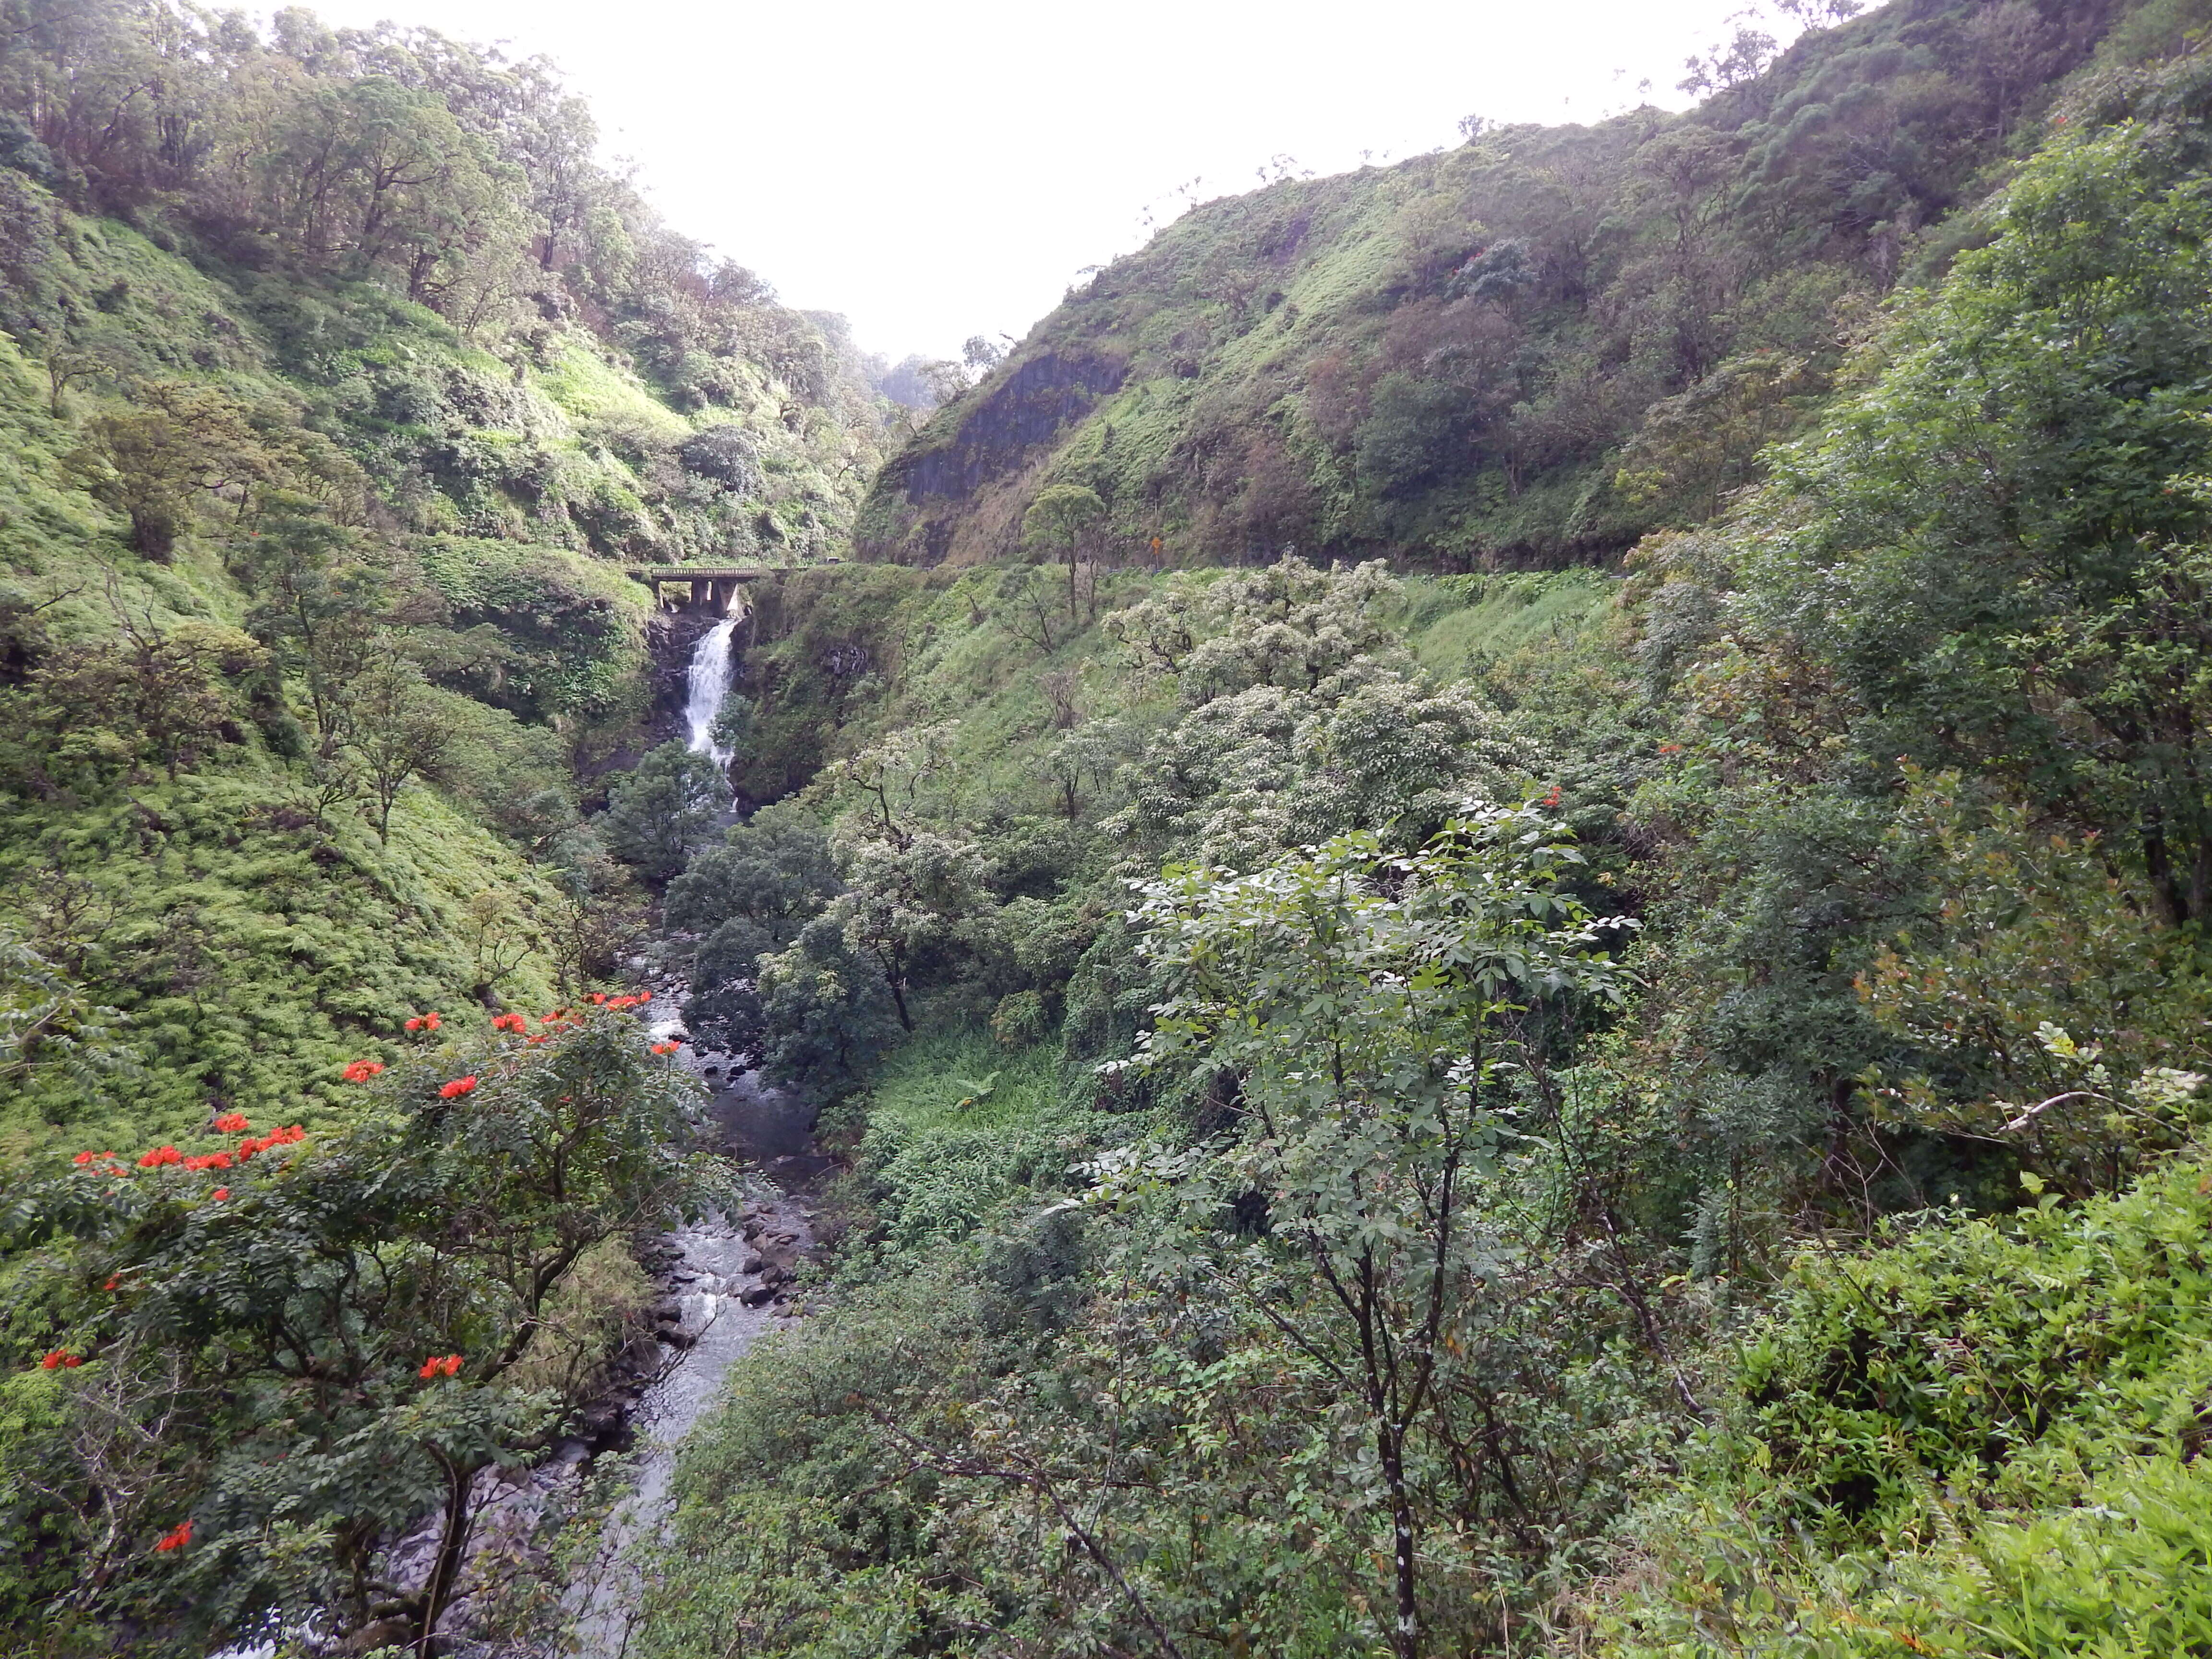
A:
(726, 1282)
(708, 686)
(726, 1279)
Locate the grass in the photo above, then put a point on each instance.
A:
(1458, 624)
(931, 1083)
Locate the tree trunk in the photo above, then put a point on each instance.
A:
(2158, 864)
(1405, 1631)
(152, 534)
(445, 1570)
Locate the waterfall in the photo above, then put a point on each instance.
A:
(707, 685)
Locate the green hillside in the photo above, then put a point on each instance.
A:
(1533, 349)
(1492, 883)
(257, 442)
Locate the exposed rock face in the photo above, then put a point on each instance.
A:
(916, 507)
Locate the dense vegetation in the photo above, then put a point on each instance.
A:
(1626, 1078)
(1638, 1112)
(339, 383)
(336, 376)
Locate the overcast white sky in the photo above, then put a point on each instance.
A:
(940, 169)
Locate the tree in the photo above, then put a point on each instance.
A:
(1063, 523)
(1995, 553)
(1086, 760)
(1415, 430)
(665, 809)
(891, 780)
(149, 692)
(773, 872)
(381, 175)
(817, 1013)
(67, 363)
(400, 730)
(320, 612)
(1290, 624)
(1369, 1013)
(748, 897)
(178, 444)
(911, 905)
(342, 1322)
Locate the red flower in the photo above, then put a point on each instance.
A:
(1670, 748)
(60, 1359)
(176, 1536)
(423, 1022)
(159, 1156)
(360, 1070)
(1553, 800)
(599, 997)
(220, 1193)
(284, 1137)
(448, 1365)
(459, 1085)
(81, 1158)
(508, 1021)
(666, 1048)
(232, 1123)
(114, 1281)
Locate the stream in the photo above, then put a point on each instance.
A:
(726, 1282)
(727, 1278)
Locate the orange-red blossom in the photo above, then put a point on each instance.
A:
(284, 1137)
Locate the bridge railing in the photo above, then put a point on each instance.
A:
(712, 585)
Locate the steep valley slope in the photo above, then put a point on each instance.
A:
(1490, 884)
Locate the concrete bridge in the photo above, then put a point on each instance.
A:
(714, 586)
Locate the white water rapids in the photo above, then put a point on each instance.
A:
(707, 689)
